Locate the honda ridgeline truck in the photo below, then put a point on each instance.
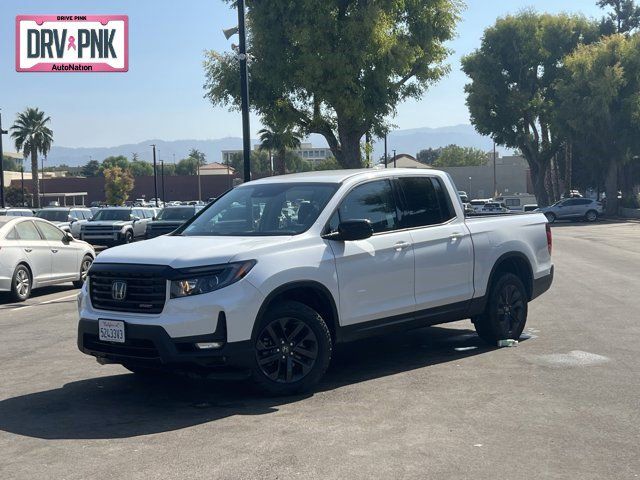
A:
(268, 278)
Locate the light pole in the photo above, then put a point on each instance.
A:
(470, 197)
(22, 180)
(164, 198)
(199, 184)
(244, 87)
(495, 183)
(2, 132)
(394, 158)
(386, 155)
(44, 157)
(155, 176)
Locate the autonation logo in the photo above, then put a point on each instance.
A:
(72, 43)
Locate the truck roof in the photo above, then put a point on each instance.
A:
(339, 176)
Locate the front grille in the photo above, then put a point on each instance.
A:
(146, 288)
(158, 229)
(135, 348)
(100, 229)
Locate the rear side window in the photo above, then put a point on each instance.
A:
(512, 202)
(372, 201)
(12, 235)
(28, 231)
(50, 232)
(425, 202)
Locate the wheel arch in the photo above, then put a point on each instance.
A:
(516, 263)
(28, 267)
(309, 292)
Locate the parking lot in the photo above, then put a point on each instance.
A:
(432, 403)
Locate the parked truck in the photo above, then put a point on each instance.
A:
(270, 277)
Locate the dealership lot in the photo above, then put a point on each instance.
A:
(432, 403)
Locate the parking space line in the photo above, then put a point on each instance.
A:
(25, 307)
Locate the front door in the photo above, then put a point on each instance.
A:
(376, 275)
(36, 249)
(65, 264)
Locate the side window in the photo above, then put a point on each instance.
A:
(27, 231)
(50, 232)
(425, 202)
(584, 202)
(512, 202)
(372, 201)
(12, 235)
(137, 213)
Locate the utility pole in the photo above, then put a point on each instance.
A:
(199, 184)
(42, 192)
(394, 158)
(22, 180)
(386, 155)
(155, 176)
(2, 132)
(244, 87)
(164, 198)
(495, 183)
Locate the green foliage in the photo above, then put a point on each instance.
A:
(295, 163)
(140, 168)
(599, 106)
(32, 136)
(455, 156)
(428, 155)
(13, 196)
(511, 96)
(169, 169)
(278, 139)
(119, 161)
(328, 164)
(189, 165)
(624, 18)
(260, 163)
(118, 184)
(10, 164)
(337, 68)
(91, 169)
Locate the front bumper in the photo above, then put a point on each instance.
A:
(151, 346)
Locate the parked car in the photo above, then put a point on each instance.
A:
(16, 212)
(67, 219)
(463, 196)
(530, 208)
(116, 225)
(493, 207)
(516, 202)
(573, 209)
(266, 280)
(478, 204)
(169, 219)
(35, 253)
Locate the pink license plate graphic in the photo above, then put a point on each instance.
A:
(72, 43)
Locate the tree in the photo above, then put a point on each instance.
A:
(119, 161)
(118, 184)
(428, 156)
(140, 168)
(10, 164)
(295, 163)
(279, 139)
(624, 18)
(91, 169)
(189, 165)
(599, 106)
(334, 67)
(511, 95)
(328, 164)
(455, 156)
(32, 136)
(260, 163)
(13, 196)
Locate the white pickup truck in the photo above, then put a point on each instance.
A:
(268, 278)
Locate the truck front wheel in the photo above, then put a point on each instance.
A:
(292, 349)
(506, 312)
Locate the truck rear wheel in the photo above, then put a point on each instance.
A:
(292, 349)
(506, 312)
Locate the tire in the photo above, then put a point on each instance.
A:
(128, 237)
(496, 323)
(84, 269)
(292, 349)
(551, 217)
(21, 283)
(591, 216)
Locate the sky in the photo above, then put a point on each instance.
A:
(161, 96)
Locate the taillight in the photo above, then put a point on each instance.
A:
(549, 239)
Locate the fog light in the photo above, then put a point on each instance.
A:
(209, 345)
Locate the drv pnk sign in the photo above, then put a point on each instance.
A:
(72, 43)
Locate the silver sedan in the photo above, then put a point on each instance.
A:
(35, 253)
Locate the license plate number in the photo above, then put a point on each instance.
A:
(111, 331)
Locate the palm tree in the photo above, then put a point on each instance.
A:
(31, 135)
(279, 139)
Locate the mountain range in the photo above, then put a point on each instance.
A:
(403, 141)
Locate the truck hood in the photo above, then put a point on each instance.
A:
(108, 223)
(182, 252)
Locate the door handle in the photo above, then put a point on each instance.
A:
(54, 250)
(455, 236)
(401, 246)
(28, 250)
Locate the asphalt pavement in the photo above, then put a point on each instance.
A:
(432, 403)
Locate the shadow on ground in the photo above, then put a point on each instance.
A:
(6, 299)
(121, 406)
(582, 223)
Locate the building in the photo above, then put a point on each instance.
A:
(306, 151)
(403, 160)
(216, 168)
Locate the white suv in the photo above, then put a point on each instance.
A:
(269, 277)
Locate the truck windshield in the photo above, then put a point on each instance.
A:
(112, 214)
(179, 213)
(54, 215)
(263, 210)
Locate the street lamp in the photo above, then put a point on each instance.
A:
(394, 158)
(164, 197)
(244, 87)
(155, 176)
(469, 193)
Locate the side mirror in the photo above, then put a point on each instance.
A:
(134, 218)
(68, 237)
(352, 230)
(72, 219)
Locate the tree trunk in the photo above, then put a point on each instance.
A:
(35, 179)
(348, 153)
(611, 188)
(538, 178)
(281, 165)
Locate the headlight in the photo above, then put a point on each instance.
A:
(195, 281)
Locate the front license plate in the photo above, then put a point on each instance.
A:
(111, 331)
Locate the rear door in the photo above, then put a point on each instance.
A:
(36, 249)
(65, 263)
(375, 275)
(441, 243)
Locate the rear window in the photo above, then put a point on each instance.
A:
(424, 202)
(28, 231)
